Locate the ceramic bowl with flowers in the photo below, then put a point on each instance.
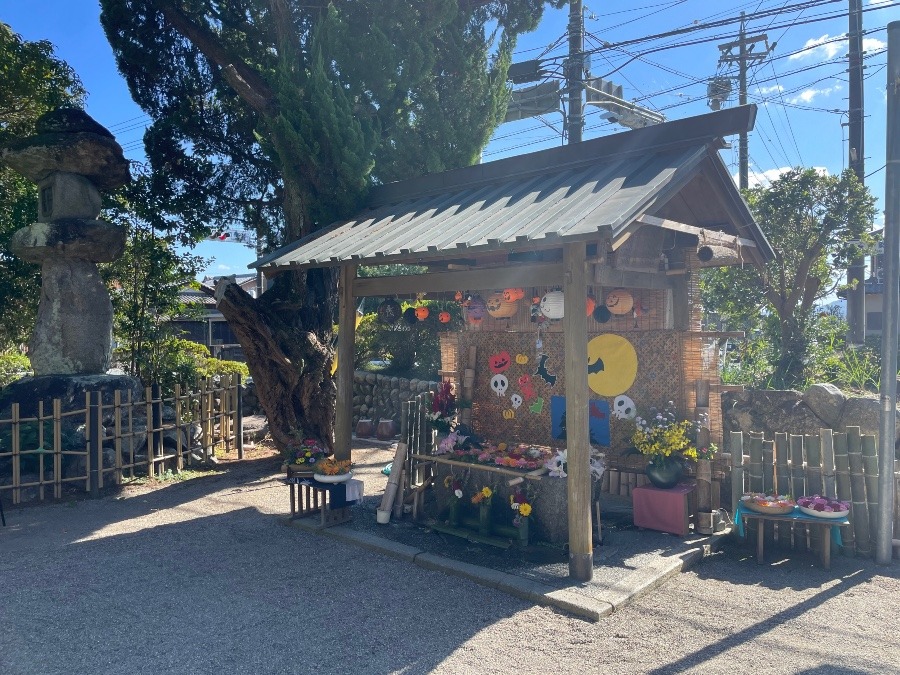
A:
(823, 507)
(776, 505)
(331, 470)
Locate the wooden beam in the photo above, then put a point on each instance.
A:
(578, 441)
(609, 276)
(546, 274)
(343, 421)
(711, 236)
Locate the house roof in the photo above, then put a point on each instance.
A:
(540, 200)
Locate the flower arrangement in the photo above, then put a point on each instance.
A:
(662, 437)
(823, 504)
(771, 503)
(455, 485)
(333, 467)
(483, 496)
(306, 452)
(443, 408)
(707, 452)
(521, 503)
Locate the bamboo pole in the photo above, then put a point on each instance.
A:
(41, 448)
(812, 446)
(613, 481)
(768, 461)
(736, 445)
(869, 447)
(859, 512)
(798, 486)
(842, 487)
(16, 457)
(755, 466)
(782, 475)
(57, 448)
(827, 439)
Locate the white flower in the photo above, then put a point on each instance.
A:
(458, 494)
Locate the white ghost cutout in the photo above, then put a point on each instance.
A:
(499, 384)
(515, 400)
(624, 408)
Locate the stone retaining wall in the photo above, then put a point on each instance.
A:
(378, 397)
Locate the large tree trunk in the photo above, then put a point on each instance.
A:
(286, 338)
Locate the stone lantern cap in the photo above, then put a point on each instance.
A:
(69, 140)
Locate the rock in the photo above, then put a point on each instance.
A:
(69, 120)
(91, 240)
(827, 402)
(73, 331)
(28, 391)
(371, 378)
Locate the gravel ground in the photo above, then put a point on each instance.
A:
(204, 577)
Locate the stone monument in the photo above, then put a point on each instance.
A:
(71, 159)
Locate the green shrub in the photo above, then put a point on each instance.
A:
(219, 367)
(12, 367)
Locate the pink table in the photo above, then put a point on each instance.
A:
(663, 510)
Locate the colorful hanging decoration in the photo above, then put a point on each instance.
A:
(499, 362)
(499, 308)
(624, 408)
(513, 294)
(543, 373)
(409, 316)
(527, 387)
(509, 414)
(476, 310)
(602, 314)
(516, 400)
(444, 317)
(421, 312)
(389, 311)
(458, 296)
(612, 364)
(552, 305)
(619, 301)
(537, 406)
(521, 359)
(591, 305)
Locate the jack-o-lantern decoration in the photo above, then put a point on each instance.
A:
(409, 316)
(476, 310)
(500, 308)
(444, 317)
(509, 414)
(421, 313)
(389, 311)
(552, 305)
(521, 359)
(591, 305)
(458, 296)
(500, 361)
(619, 301)
(513, 294)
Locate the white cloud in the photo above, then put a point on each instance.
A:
(222, 267)
(873, 45)
(886, 3)
(765, 178)
(774, 89)
(809, 95)
(823, 48)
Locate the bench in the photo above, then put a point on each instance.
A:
(327, 500)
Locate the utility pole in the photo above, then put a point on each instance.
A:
(890, 305)
(856, 272)
(743, 58)
(575, 72)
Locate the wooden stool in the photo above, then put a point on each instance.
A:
(664, 510)
(309, 497)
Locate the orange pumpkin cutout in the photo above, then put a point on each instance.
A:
(591, 305)
(421, 313)
(513, 294)
(458, 297)
(444, 317)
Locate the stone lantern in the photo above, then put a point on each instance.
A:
(72, 158)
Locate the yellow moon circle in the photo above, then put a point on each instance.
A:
(612, 364)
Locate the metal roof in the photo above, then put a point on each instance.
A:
(536, 200)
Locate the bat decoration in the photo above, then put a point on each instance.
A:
(596, 366)
(543, 373)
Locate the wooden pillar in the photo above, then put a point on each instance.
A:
(343, 421)
(581, 556)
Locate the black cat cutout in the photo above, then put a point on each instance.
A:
(543, 373)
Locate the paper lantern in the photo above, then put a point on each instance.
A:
(458, 296)
(552, 305)
(389, 311)
(476, 309)
(500, 308)
(513, 294)
(591, 305)
(422, 313)
(619, 301)
(444, 317)
(409, 316)
(601, 314)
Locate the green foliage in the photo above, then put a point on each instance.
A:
(216, 367)
(815, 224)
(32, 81)
(12, 367)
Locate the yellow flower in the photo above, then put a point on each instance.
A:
(524, 509)
(486, 492)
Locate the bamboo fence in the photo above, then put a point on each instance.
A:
(839, 465)
(122, 438)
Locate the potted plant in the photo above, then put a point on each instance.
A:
(304, 455)
(442, 415)
(666, 441)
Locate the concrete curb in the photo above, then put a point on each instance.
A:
(590, 608)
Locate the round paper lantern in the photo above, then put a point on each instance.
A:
(601, 314)
(591, 305)
(444, 317)
(458, 296)
(409, 316)
(476, 310)
(422, 313)
(619, 301)
(552, 305)
(389, 311)
(500, 308)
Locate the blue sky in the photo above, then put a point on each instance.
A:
(801, 89)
